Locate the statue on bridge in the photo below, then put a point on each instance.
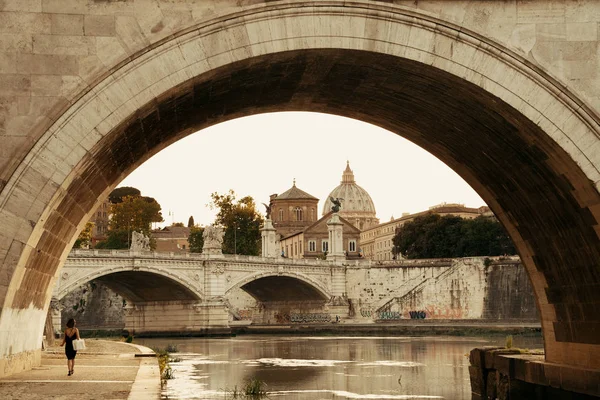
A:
(337, 204)
(213, 240)
(139, 242)
(268, 207)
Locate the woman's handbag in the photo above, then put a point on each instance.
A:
(78, 344)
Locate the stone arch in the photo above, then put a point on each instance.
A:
(176, 279)
(318, 286)
(93, 144)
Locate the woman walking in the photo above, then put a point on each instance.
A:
(71, 333)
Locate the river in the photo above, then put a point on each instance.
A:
(326, 367)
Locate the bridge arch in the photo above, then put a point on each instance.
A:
(132, 281)
(314, 286)
(522, 139)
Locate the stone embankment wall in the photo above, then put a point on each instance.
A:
(467, 288)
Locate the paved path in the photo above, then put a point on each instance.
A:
(105, 370)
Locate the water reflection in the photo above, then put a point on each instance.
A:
(319, 368)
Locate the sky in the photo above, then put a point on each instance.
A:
(262, 154)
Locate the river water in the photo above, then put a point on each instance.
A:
(326, 367)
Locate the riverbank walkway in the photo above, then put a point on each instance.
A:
(104, 370)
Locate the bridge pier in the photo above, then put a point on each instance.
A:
(183, 317)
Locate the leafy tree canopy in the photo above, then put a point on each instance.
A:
(179, 224)
(191, 222)
(133, 213)
(435, 236)
(116, 196)
(241, 221)
(196, 239)
(84, 238)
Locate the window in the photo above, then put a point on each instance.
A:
(312, 214)
(324, 246)
(104, 215)
(281, 214)
(296, 248)
(99, 213)
(298, 213)
(312, 245)
(352, 246)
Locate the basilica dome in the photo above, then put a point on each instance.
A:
(357, 205)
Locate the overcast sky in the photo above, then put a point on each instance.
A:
(263, 154)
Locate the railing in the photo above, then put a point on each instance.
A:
(361, 263)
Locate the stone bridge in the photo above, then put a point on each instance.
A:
(188, 293)
(170, 293)
(506, 93)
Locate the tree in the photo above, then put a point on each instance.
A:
(133, 213)
(434, 236)
(116, 196)
(178, 224)
(241, 221)
(84, 238)
(191, 222)
(196, 239)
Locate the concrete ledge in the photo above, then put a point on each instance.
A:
(512, 374)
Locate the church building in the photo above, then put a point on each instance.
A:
(357, 205)
(293, 210)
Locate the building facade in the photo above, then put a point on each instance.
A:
(100, 219)
(293, 210)
(376, 243)
(313, 241)
(172, 239)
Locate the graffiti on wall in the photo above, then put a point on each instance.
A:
(389, 315)
(245, 314)
(307, 318)
(417, 314)
(284, 318)
(445, 312)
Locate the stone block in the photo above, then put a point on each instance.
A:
(477, 381)
(128, 30)
(552, 374)
(46, 64)
(550, 32)
(579, 381)
(491, 384)
(8, 63)
(15, 42)
(110, 51)
(477, 357)
(540, 12)
(67, 24)
(99, 25)
(504, 364)
(14, 84)
(490, 356)
(584, 31)
(21, 5)
(63, 44)
(16, 22)
(64, 6)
